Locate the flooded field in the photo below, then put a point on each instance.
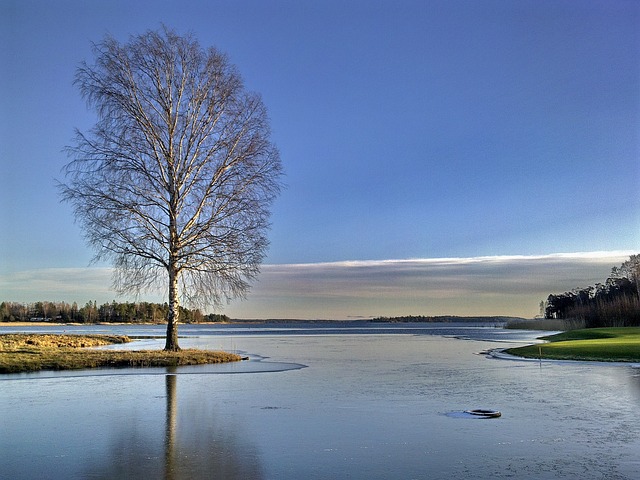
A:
(367, 402)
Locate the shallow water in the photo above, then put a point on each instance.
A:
(366, 403)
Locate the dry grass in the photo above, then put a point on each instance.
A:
(33, 352)
(21, 341)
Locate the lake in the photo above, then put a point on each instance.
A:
(353, 400)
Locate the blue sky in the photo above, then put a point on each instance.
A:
(408, 130)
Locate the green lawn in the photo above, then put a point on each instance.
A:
(595, 344)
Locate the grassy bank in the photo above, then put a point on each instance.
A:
(594, 344)
(33, 352)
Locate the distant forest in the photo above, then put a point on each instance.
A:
(442, 319)
(614, 303)
(143, 312)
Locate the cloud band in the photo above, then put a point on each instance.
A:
(496, 285)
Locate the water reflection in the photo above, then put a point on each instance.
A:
(194, 446)
(170, 425)
(368, 406)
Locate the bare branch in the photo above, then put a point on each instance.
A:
(175, 180)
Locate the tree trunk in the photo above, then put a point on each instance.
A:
(174, 313)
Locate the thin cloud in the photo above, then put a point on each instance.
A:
(496, 285)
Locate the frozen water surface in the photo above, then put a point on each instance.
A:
(376, 402)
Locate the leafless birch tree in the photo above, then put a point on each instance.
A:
(174, 182)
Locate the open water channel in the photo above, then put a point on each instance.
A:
(356, 401)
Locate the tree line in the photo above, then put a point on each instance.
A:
(91, 312)
(441, 319)
(614, 303)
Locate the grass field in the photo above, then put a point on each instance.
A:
(32, 352)
(595, 344)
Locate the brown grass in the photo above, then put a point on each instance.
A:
(33, 352)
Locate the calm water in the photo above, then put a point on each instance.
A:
(381, 402)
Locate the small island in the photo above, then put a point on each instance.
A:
(20, 353)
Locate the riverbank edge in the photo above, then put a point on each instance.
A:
(575, 339)
(500, 354)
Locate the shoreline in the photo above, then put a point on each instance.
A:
(489, 320)
(101, 324)
(604, 345)
(501, 354)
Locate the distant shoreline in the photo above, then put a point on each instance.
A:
(407, 319)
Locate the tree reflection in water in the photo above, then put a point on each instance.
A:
(193, 448)
(170, 426)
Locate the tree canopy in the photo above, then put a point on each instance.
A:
(174, 182)
(614, 303)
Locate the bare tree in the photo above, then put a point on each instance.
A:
(174, 182)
